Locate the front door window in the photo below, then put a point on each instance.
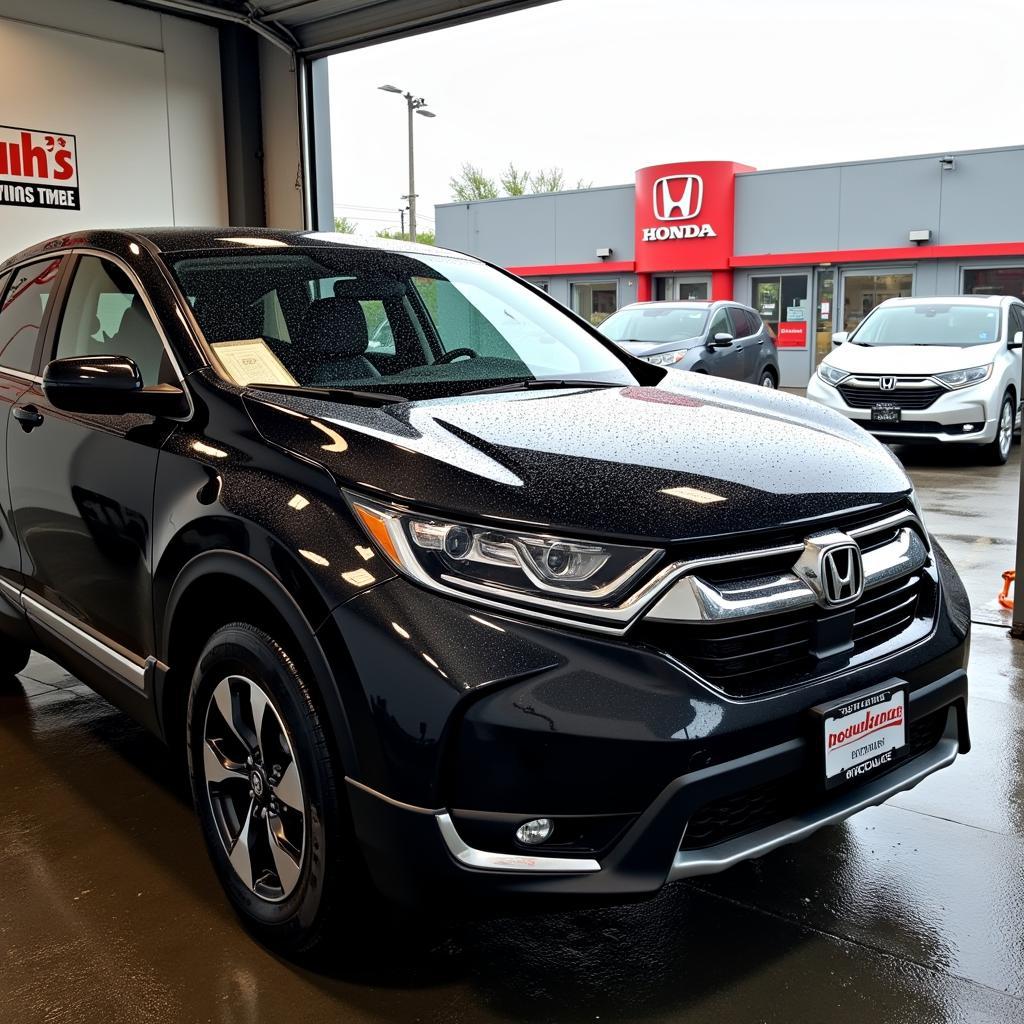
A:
(862, 292)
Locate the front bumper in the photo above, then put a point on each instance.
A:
(418, 857)
(943, 422)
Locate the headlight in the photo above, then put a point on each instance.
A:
(502, 564)
(832, 374)
(962, 378)
(666, 358)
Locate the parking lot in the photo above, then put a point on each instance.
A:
(909, 912)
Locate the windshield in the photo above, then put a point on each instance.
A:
(655, 324)
(929, 323)
(411, 325)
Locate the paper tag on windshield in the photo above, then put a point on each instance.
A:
(250, 361)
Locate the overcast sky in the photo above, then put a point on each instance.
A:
(603, 87)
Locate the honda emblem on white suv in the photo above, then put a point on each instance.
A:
(678, 197)
(887, 383)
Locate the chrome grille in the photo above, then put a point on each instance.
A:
(905, 398)
(748, 635)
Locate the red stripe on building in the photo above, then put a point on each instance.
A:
(902, 253)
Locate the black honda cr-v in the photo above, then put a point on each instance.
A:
(432, 581)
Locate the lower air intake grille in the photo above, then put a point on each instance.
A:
(772, 802)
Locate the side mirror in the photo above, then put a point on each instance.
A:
(1018, 340)
(108, 385)
(838, 339)
(721, 340)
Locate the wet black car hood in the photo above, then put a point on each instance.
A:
(699, 458)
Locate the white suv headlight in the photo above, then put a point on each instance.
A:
(503, 564)
(963, 378)
(832, 374)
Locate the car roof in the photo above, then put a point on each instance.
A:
(173, 240)
(938, 300)
(682, 304)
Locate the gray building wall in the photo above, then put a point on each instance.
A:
(875, 204)
(541, 230)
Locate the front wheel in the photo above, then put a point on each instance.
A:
(264, 782)
(768, 379)
(997, 451)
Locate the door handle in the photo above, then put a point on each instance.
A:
(28, 416)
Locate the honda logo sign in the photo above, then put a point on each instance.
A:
(678, 196)
(887, 383)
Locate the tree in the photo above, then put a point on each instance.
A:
(514, 181)
(471, 183)
(423, 237)
(552, 180)
(344, 226)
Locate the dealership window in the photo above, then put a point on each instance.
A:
(862, 292)
(595, 301)
(684, 289)
(23, 307)
(781, 299)
(994, 281)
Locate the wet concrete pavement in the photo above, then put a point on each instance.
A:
(909, 912)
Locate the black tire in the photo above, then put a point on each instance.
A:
(13, 658)
(329, 868)
(769, 378)
(997, 451)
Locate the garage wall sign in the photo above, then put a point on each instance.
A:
(38, 168)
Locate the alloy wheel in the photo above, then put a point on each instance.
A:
(767, 381)
(254, 788)
(1006, 429)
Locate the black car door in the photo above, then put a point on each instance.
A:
(81, 484)
(25, 294)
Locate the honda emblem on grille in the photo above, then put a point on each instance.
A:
(887, 383)
(832, 567)
(842, 574)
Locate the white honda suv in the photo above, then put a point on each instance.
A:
(944, 370)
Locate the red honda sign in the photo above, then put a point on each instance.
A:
(684, 216)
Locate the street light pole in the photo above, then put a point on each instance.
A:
(415, 105)
(412, 173)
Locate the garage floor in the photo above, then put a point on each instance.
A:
(912, 912)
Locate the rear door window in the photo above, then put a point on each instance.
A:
(24, 306)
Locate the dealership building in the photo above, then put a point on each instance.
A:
(813, 249)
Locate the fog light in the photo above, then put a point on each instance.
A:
(537, 831)
(968, 427)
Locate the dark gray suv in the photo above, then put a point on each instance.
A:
(725, 339)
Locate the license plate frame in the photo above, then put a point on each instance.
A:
(869, 730)
(886, 412)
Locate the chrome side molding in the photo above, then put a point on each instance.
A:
(126, 666)
(693, 599)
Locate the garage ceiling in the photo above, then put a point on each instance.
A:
(316, 28)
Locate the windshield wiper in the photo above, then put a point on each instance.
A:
(349, 395)
(543, 383)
